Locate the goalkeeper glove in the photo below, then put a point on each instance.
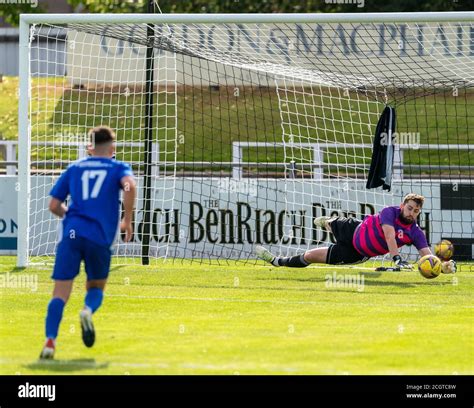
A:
(398, 261)
(449, 267)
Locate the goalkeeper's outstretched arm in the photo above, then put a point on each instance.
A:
(389, 233)
(424, 251)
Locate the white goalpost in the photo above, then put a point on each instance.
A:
(241, 129)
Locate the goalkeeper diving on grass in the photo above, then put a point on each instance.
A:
(89, 227)
(358, 240)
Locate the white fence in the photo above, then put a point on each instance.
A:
(10, 148)
(317, 164)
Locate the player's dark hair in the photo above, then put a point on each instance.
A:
(101, 135)
(419, 199)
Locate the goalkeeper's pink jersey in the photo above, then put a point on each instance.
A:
(369, 239)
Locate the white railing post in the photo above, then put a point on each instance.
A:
(236, 158)
(155, 157)
(398, 162)
(317, 159)
(81, 151)
(10, 157)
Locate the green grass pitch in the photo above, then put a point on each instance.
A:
(191, 318)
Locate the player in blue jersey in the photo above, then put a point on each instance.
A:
(89, 228)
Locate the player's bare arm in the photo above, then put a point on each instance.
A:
(57, 207)
(389, 233)
(425, 251)
(129, 195)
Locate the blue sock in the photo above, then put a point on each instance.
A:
(54, 316)
(94, 298)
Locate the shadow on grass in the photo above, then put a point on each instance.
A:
(118, 267)
(17, 269)
(67, 365)
(278, 288)
(368, 281)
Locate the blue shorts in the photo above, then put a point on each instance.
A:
(70, 253)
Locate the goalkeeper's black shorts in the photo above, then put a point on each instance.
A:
(343, 252)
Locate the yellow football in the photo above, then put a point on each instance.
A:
(429, 266)
(444, 250)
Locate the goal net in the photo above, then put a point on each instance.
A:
(241, 130)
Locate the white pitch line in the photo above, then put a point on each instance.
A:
(279, 302)
(282, 302)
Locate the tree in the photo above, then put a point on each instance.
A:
(311, 6)
(10, 13)
(109, 6)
